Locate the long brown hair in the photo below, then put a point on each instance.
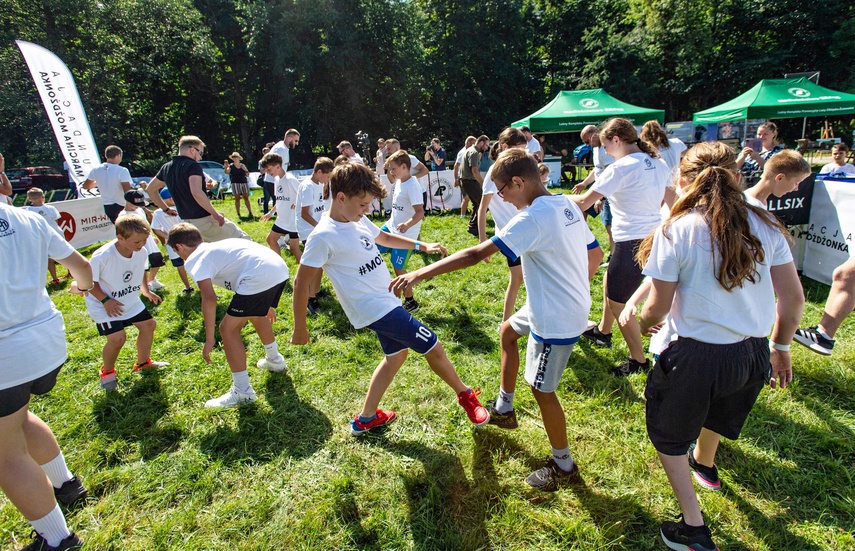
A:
(653, 133)
(623, 129)
(715, 194)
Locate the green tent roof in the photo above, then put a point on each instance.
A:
(780, 98)
(571, 111)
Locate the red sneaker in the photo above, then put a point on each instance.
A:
(384, 417)
(477, 413)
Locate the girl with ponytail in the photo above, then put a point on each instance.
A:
(635, 185)
(716, 265)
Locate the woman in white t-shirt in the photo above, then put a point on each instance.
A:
(635, 186)
(717, 264)
(671, 150)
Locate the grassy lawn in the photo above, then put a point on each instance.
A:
(284, 473)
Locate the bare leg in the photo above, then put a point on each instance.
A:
(264, 328)
(514, 284)
(841, 299)
(510, 357)
(152, 273)
(237, 205)
(114, 344)
(273, 242)
(51, 266)
(248, 207)
(145, 339)
(631, 332)
(21, 478)
(380, 381)
(677, 469)
(707, 446)
(294, 245)
(441, 365)
(553, 418)
(232, 344)
(464, 205)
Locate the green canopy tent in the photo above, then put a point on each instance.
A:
(780, 98)
(571, 111)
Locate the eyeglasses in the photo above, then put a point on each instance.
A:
(199, 151)
(500, 191)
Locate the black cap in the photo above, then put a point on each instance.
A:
(135, 198)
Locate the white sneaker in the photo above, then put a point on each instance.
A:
(276, 366)
(283, 242)
(155, 285)
(231, 399)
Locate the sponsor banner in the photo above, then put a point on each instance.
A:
(83, 222)
(442, 194)
(828, 236)
(793, 209)
(56, 87)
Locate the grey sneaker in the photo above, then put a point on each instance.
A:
(550, 476)
(108, 379)
(502, 420)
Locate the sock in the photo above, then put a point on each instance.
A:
(241, 380)
(57, 471)
(365, 420)
(52, 527)
(562, 458)
(505, 401)
(823, 333)
(271, 351)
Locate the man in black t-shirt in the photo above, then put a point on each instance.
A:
(184, 178)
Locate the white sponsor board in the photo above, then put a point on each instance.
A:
(828, 236)
(58, 92)
(442, 194)
(83, 222)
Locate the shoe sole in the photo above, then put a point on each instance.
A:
(703, 482)
(501, 425)
(482, 423)
(359, 432)
(413, 311)
(811, 344)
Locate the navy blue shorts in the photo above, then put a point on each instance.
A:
(177, 262)
(111, 327)
(399, 330)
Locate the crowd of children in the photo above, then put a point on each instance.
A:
(698, 272)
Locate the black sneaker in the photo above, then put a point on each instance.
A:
(629, 367)
(411, 306)
(598, 337)
(550, 476)
(313, 306)
(71, 543)
(70, 492)
(681, 536)
(502, 420)
(811, 338)
(322, 294)
(705, 476)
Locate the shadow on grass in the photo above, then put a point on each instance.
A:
(468, 333)
(294, 428)
(133, 414)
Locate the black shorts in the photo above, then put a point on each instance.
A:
(14, 398)
(512, 263)
(283, 231)
(624, 272)
(111, 327)
(155, 260)
(112, 211)
(700, 385)
(177, 262)
(248, 306)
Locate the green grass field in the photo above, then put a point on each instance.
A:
(285, 473)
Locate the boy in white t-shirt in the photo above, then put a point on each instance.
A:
(257, 276)
(134, 203)
(36, 197)
(344, 244)
(782, 174)
(119, 272)
(838, 168)
(285, 188)
(559, 257)
(161, 223)
(407, 214)
(310, 208)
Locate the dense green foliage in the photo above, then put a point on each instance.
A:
(238, 72)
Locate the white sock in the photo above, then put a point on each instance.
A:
(241, 380)
(57, 471)
(505, 401)
(271, 351)
(52, 527)
(823, 333)
(563, 458)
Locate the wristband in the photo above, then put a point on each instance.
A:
(417, 245)
(105, 299)
(781, 347)
(86, 290)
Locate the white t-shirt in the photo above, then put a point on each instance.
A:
(109, 178)
(150, 244)
(163, 222)
(50, 214)
(405, 196)
(356, 158)
(501, 210)
(282, 150)
(703, 310)
(553, 240)
(601, 160)
(671, 155)
(119, 277)
(28, 318)
(833, 170)
(635, 186)
(459, 158)
(755, 201)
(350, 258)
(238, 265)
(285, 190)
(533, 146)
(311, 195)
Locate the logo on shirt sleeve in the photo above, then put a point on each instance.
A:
(366, 243)
(571, 217)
